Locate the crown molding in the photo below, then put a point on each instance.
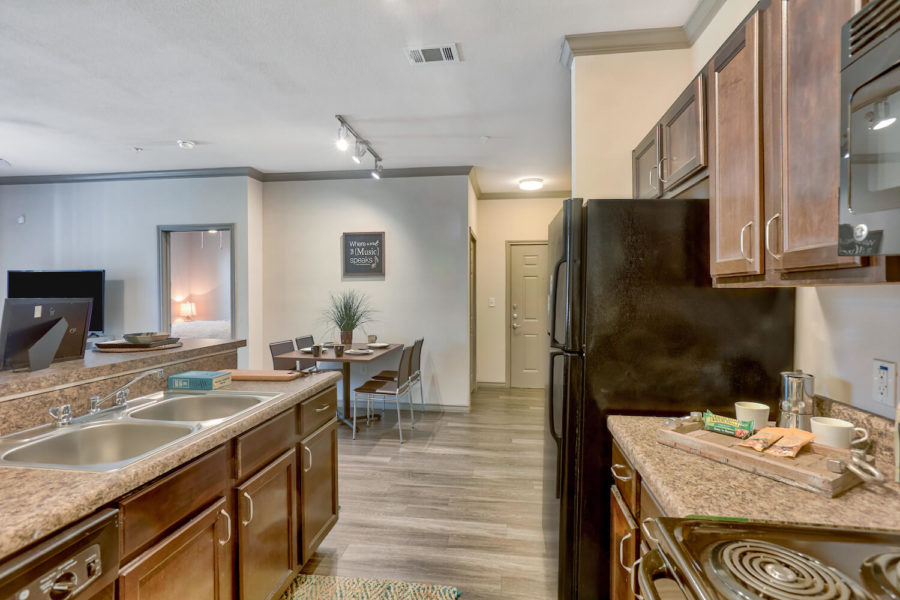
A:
(641, 40)
(236, 172)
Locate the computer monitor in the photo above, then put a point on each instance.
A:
(61, 284)
(37, 331)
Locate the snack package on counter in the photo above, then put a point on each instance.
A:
(791, 442)
(764, 438)
(727, 426)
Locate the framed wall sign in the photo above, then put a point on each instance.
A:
(363, 254)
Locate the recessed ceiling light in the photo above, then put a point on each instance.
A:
(531, 183)
(186, 144)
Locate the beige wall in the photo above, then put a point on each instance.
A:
(718, 30)
(616, 99)
(423, 292)
(521, 219)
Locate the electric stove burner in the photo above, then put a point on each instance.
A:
(757, 570)
(881, 574)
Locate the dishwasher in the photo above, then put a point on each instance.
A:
(76, 562)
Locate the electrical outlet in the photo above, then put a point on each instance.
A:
(884, 382)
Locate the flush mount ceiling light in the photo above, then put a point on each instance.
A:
(361, 146)
(359, 153)
(186, 144)
(529, 184)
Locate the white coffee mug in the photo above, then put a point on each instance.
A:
(836, 432)
(752, 411)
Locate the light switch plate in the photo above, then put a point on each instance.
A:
(884, 382)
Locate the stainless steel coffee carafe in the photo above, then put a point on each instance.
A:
(797, 400)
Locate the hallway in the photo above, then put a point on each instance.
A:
(458, 504)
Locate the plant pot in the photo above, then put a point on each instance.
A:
(346, 337)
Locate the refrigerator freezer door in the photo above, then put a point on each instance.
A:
(564, 245)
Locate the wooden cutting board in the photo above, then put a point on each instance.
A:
(262, 375)
(807, 470)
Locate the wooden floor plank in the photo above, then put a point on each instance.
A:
(459, 503)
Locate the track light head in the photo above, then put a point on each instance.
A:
(359, 153)
(376, 172)
(342, 143)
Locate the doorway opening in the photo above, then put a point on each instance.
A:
(527, 342)
(196, 280)
(473, 331)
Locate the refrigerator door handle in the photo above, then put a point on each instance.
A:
(554, 288)
(557, 437)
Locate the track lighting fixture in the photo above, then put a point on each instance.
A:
(359, 153)
(342, 143)
(361, 146)
(882, 115)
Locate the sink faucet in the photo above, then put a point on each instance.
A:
(121, 394)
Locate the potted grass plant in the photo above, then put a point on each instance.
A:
(348, 310)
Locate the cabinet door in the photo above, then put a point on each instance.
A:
(803, 234)
(623, 547)
(684, 135)
(645, 165)
(194, 562)
(318, 488)
(267, 529)
(735, 167)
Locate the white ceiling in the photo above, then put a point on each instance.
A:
(258, 83)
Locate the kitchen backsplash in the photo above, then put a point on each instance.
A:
(881, 430)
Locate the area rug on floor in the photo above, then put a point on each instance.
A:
(322, 587)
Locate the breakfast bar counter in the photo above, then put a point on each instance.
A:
(685, 484)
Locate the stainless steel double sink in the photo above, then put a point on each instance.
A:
(119, 436)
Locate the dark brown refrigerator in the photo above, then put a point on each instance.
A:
(637, 328)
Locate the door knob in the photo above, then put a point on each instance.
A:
(515, 325)
(515, 306)
(515, 315)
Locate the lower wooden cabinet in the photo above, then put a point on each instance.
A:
(624, 548)
(318, 491)
(193, 562)
(267, 529)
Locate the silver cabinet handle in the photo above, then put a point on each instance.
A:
(646, 530)
(743, 229)
(308, 453)
(250, 505)
(227, 516)
(659, 170)
(632, 572)
(620, 477)
(622, 551)
(323, 408)
(768, 244)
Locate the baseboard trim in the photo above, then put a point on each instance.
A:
(490, 385)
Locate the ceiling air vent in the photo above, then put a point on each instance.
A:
(433, 54)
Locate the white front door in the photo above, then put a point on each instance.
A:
(527, 327)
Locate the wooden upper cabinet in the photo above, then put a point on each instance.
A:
(735, 161)
(267, 529)
(803, 64)
(683, 129)
(645, 167)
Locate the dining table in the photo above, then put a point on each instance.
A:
(328, 355)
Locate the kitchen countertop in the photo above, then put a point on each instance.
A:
(685, 484)
(36, 502)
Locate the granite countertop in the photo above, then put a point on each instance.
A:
(685, 484)
(104, 364)
(36, 502)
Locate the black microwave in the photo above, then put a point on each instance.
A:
(870, 132)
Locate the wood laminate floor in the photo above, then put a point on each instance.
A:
(457, 504)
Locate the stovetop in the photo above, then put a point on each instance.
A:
(714, 560)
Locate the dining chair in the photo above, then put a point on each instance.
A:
(377, 388)
(305, 341)
(282, 364)
(415, 376)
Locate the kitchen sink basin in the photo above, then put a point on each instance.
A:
(206, 407)
(98, 447)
